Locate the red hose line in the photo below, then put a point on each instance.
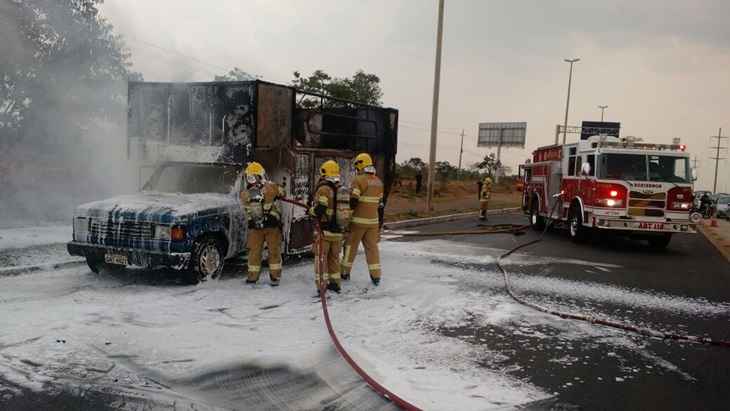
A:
(377, 387)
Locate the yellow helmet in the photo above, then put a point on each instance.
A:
(329, 168)
(488, 179)
(254, 169)
(363, 160)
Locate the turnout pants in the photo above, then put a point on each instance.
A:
(369, 236)
(327, 260)
(483, 206)
(255, 244)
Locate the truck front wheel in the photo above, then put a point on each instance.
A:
(578, 232)
(660, 242)
(206, 260)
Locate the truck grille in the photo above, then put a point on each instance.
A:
(125, 230)
(649, 205)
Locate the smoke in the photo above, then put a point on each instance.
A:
(62, 111)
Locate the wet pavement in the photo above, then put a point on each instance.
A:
(591, 367)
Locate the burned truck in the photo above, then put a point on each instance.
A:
(191, 142)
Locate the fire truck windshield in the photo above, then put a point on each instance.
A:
(642, 167)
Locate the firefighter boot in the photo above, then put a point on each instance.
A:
(333, 286)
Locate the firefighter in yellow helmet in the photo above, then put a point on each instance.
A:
(259, 200)
(331, 207)
(485, 191)
(366, 201)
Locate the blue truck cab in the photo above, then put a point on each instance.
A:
(187, 217)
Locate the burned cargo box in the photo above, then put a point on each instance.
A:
(207, 122)
(290, 132)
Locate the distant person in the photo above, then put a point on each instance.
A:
(419, 180)
(485, 191)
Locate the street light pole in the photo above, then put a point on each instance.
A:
(435, 108)
(567, 103)
(603, 109)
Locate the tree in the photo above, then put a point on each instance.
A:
(361, 87)
(63, 100)
(445, 170)
(63, 67)
(488, 164)
(235, 75)
(415, 163)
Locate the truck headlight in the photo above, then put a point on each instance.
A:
(81, 228)
(162, 232)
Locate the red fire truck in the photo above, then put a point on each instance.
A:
(609, 183)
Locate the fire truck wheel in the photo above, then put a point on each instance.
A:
(537, 222)
(660, 242)
(578, 233)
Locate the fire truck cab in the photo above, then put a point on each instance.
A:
(608, 183)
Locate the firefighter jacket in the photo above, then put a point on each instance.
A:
(261, 206)
(325, 208)
(366, 200)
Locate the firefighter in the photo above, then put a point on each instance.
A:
(485, 191)
(331, 207)
(366, 202)
(263, 215)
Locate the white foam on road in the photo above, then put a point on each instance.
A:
(15, 238)
(180, 330)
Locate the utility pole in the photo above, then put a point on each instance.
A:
(435, 108)
(717, 157)
(567, 103)
(461, 152)
(603, 109)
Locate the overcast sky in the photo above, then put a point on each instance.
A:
(662, 66)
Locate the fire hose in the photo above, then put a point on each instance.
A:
(377, 387)
(517, 229)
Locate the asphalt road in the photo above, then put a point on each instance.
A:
(163, 336)
(591, 372)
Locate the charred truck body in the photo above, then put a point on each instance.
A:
(195, 138)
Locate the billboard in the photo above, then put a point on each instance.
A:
(502, 134)
(594, 128)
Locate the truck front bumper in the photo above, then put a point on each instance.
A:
(650, 226)
(143, 258)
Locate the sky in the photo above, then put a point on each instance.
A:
(661, 66)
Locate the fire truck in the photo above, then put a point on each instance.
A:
(607, 183)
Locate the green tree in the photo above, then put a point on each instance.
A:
(235, 75)
(489, 164)
(62, 68)
(445, 170)
(361, 87)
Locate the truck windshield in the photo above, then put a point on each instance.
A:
(193, 178)
(641, 167)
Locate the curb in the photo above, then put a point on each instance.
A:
(28, 269)
(443, 218)
(715, 240)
